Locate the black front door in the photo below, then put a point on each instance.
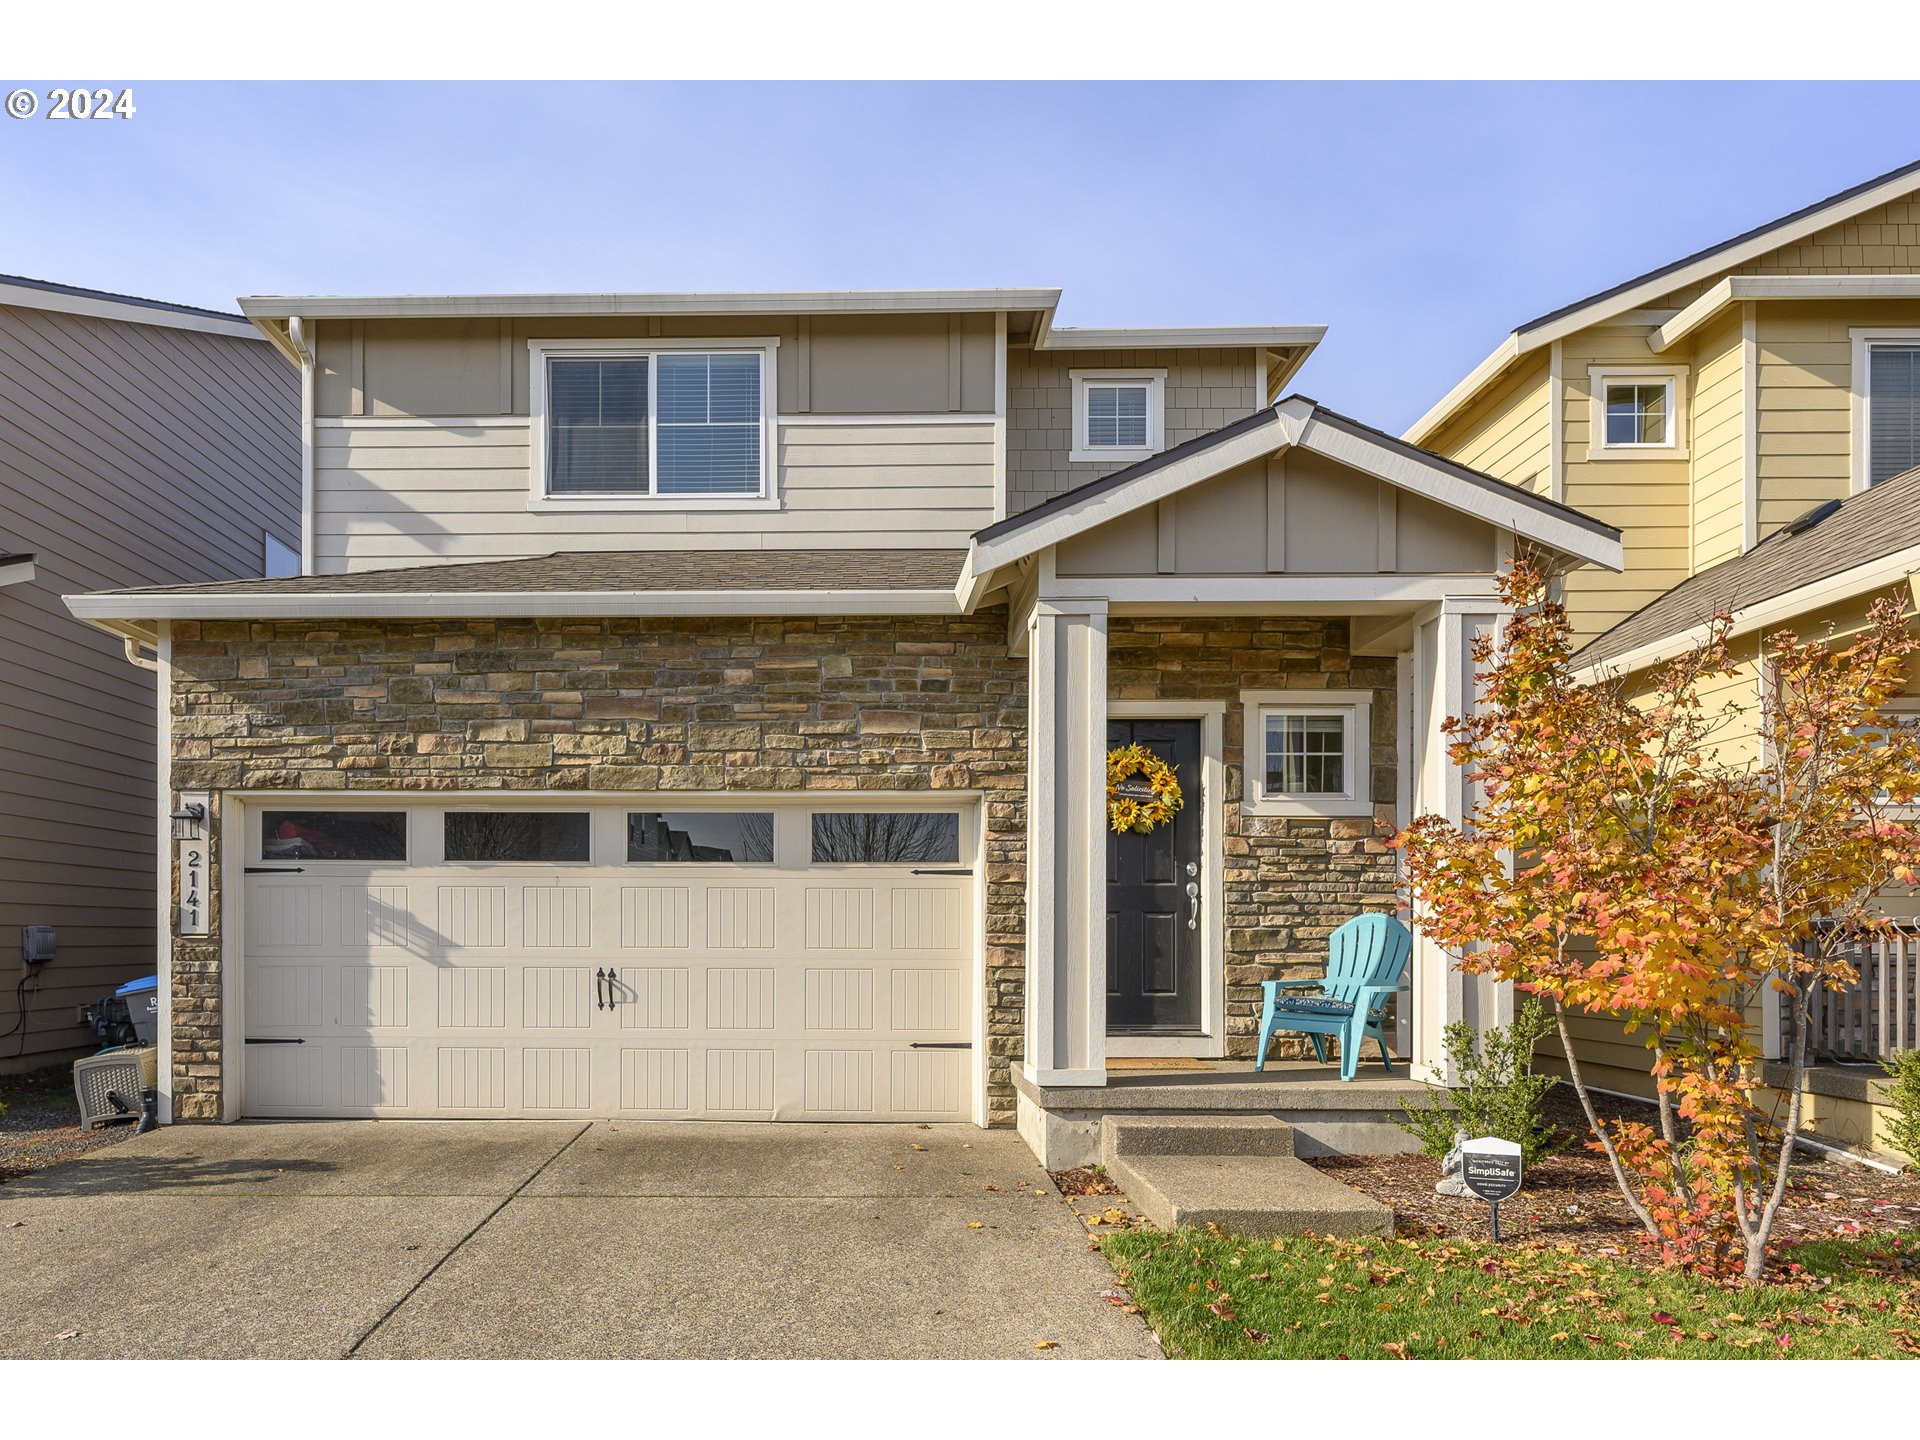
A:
(1153, 942)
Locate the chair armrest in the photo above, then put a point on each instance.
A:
(1293, 984)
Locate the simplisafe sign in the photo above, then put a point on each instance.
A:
(1490, 1167)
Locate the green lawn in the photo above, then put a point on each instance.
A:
(1219, 1297)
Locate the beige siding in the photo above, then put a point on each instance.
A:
(129, 455)
(1719, 442)
(1205, 389)
(1507, 432)
(868, 364)
(387, 495)
(1294, 513)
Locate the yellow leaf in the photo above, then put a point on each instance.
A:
(1043, 1344)
(975, 1225)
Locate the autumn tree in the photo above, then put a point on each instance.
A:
(1615, 864)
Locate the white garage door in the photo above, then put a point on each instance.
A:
(748, 962)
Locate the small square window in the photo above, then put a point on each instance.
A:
(1637, 414)
(1119, 416)
(525, 836)
(1116, 416)
(1306, 754)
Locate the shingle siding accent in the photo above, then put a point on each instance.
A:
(1289, 883)
(1205, 389)
(625, 704)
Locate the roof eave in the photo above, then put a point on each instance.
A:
(770, 302)
(120, 606)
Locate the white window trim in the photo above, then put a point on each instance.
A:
(1864, 339)
(1156, 383)
(1355, 706)
(540, 351)
(1600, 376)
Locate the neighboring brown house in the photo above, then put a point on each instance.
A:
(140, 443)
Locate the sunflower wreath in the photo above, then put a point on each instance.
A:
(1134, 813)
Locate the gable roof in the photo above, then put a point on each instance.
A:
(1296, 421)
(24, 293)
(1870, 541)
(1700, 265)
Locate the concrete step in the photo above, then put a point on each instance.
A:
(1260, 1196)
(1193, 1135)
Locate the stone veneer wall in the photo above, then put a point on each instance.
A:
(1289, 882)
(801, 704)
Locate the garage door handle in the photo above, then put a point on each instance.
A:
(940, 1044)
(272, 1040)
(274, 870)
(940, 872)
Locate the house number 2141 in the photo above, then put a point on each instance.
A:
(193, 888)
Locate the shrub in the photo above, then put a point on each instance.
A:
(1499, 1092)
(1903, 1096)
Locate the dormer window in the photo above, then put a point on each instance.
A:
(1886, 404)
(620, 424)
(1119, 416)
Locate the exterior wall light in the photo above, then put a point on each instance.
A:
(189, 821)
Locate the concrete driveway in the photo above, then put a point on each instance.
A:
(547, 1239)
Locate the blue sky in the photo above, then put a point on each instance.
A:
(1419, 221)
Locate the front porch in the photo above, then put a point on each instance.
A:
(1285, 614)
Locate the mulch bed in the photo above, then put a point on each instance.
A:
(40, 1126)
(1571, 1199)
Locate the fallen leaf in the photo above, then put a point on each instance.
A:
(1043, 1344)
(1395, 1348)
(994, 1188)
(917, 1147)
(67, 1335)
(975, 1225)
(15, 1224)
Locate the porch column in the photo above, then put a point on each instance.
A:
(1443, 685)
(1066, 1038)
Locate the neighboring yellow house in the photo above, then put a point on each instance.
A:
(1749, 417)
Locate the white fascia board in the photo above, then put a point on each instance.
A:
(27, 297)
(1736, 288)
(1481, 375)
(768, 302)
(16, 569)
(1438, 483)
(1149, 489)
(1193, 337)
(1323, 594)
(1898, 568)
(430, 605)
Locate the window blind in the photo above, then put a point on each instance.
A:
(709, 425)
(597, 426)
(1893, 411)
(1116, 415)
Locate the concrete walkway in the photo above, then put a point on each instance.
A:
(549, 1239)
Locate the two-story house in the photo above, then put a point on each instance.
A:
(141, 443)
(1749, 418)
(698, 705)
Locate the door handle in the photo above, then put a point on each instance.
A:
(1193, 903)
(599, 988)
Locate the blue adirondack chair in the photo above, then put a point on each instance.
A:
(1365, 958)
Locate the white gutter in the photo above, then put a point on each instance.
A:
(99, 307)
(297, 337)
(112, 610)
(1188, 337)
(1735, 288)
(1898, 568)
(729, 302)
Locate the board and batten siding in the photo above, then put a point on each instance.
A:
(1719, 442)
(129, 455)
(1205, 389)
(388, 495)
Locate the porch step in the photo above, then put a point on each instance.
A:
(1194, 1135)
(1237, 1172)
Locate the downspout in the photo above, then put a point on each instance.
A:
(133, 644)
(297, 337)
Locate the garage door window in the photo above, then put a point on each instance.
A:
(523, 836)
(712, 837)
(333, 835)
(891, 837)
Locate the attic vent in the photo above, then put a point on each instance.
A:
(1801, 524)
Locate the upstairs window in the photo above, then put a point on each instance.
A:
(1638, 412)
(648, 425)
(1893, 411)
(1119, 416)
